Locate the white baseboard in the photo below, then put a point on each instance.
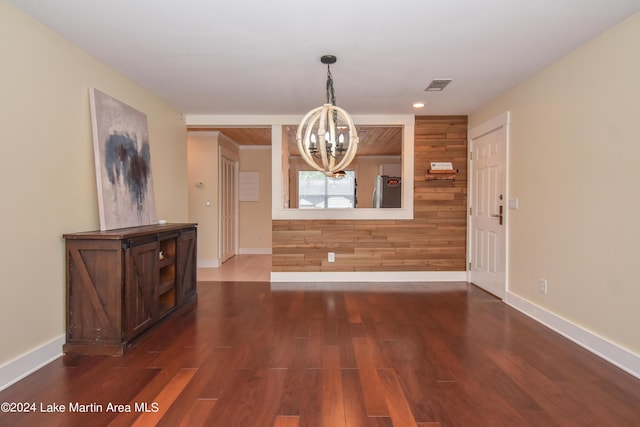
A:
(403, 287)
(612, 353)
(255, 251)
(208, 263)
(368, 276)
(15, 370)
(215, 263)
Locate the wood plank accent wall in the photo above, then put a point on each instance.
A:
(435, 240)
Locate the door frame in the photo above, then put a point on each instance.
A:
(501, 120)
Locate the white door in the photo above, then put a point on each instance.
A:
(488, 214)
(228, 208)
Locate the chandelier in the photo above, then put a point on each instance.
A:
(327, 138)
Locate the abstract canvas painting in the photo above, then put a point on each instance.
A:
(123, 163)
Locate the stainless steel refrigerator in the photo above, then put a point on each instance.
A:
(387, 192)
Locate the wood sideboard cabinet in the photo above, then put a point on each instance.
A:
(122, 282)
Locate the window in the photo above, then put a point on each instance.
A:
(318, 191)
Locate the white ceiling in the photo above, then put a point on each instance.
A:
(263, 57)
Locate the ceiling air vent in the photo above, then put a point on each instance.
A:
(437, 85)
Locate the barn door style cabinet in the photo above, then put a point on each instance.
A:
(122, 282)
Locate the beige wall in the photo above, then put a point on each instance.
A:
(48, 178)
(203, 194)
(255, 217)
(574, 167)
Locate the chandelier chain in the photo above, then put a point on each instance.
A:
(331, 94)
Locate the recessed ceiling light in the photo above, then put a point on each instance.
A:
(437, 85)
(418, 105)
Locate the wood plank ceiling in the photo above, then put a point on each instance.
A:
(374, 140)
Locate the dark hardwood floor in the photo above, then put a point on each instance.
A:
(430, 355)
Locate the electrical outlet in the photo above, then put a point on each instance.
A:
(543, 286)
(331, 257)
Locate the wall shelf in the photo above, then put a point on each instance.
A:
(441, 175)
